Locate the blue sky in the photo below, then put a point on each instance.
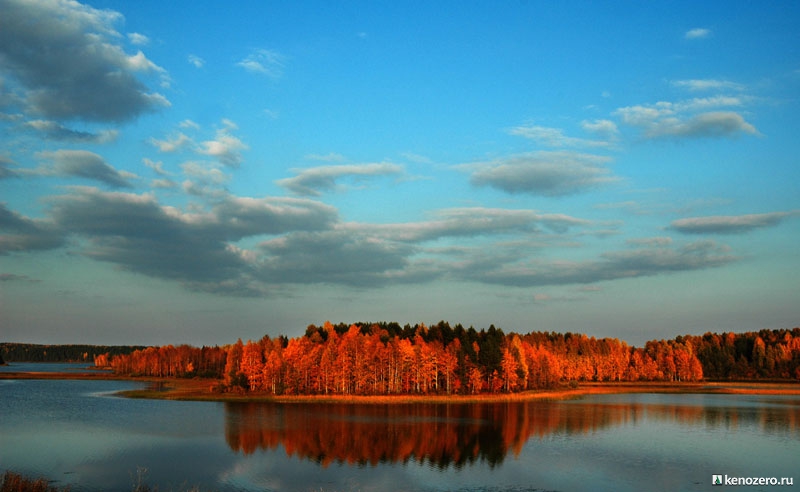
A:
(197, 172)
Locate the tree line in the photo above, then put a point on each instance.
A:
(385, 358)
(29, 352)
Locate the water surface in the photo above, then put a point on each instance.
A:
(73, 367)
(77, 433)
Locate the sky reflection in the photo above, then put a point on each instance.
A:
(63, 430)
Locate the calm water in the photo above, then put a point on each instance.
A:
(78, 434)
(75, 367)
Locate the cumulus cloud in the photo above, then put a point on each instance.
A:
(471, 222)
(156, 166)
(172, 144)
(67, 60)
(606, 129)
(542, 173)
(140, 63)
(312, 181)
(244, 216)
(6, 171)
(163, 183)
(55, 131)
(135, 233)
(225, 147)
(697, 33)
(138, 234)
(19, 233)
(263, 61)
(338, 257)
(365, 255)
(83, 164)
(639, 262)
(715, 124)
(693, 118)
(729, 224)
(138, 39)
(302, 241)
(204, 179)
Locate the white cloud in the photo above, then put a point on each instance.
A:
(262, 61)
(715, 124)
(140, 63)
(606, 129)
(650, 260)
(196, 61)
(553, 137)
(21, 233)
(729, 224)
(189, 124)
(542, 173)
(138, 39)
(6, 170)
(158, 166)
(225, 147)
(697, 85)
(163, 183)
(313, 181)
(57, 131)
(81, 45)
(706, 103)
(173, 144)
(690, 118)
(470, 222)
(83, 164)
(697, 33)
(136, 233)
(206, 173)
(329, 157)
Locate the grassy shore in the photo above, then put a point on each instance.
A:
(193, 390)
(202, 390)
(14, 482)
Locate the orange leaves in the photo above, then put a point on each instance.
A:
(379, 359)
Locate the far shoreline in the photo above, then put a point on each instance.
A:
(200, 390)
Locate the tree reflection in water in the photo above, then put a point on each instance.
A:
(445, 435)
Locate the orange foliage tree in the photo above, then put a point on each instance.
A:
(384, 358)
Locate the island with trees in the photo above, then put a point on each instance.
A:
(385, 359)
(440, 359)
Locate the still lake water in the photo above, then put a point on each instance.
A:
(78, 434)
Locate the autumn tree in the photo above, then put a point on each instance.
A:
(384, 358)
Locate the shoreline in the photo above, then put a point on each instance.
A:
(200, 390)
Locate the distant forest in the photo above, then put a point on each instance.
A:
(29, 352)
(385, 358)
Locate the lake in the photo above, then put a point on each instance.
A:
(78, 434)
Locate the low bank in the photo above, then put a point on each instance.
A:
(206, 390)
